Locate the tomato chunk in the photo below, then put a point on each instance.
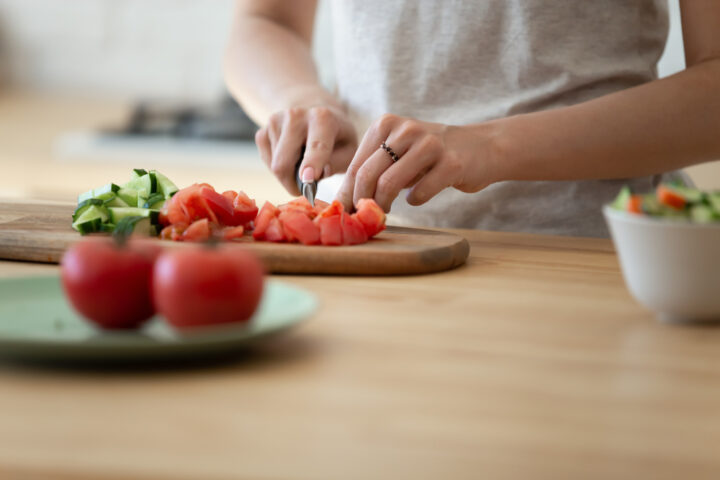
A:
(173, 232)
(198, 231)
(668, 197)
(267, 213)
(352, 230)
(635, 204)
(298, 226)
(371, 216)
(233, 233)
(274, 231)
(245, 209)
(330, 230)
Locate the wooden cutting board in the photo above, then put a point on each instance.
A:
(40, 232)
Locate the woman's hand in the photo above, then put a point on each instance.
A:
(431, 157)
(326, 133)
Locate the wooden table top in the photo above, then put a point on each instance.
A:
(532, 361)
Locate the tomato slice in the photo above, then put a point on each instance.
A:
(299, 204)
(371, 216)
(218, 205)
(198, 231)
(298, 226)
(319, 207)
(353, 232)
(245, 209)
(174, 232)
(230, 195)
(330, 230)
(335, 208)
(274, 231)
(635, 204)
(232, 233)
(267, 213)
(668, 197)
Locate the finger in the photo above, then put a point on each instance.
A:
(274, 127)
(374, 136)
(400, 142)
(322, 130)
(437, 179)
(369, 173)
(288, 149)
(262, 140)
(403, 173)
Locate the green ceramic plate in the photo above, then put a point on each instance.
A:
(37, 323)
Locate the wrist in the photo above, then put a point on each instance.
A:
(486, 152)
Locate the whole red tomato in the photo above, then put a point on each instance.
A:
(110, 284)
(204, 286)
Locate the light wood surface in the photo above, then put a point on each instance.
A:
(531, 361)
(41, 232)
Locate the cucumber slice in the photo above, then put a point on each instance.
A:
(135, 225)
(621, 201)
(165, 186)
(116, 214)
(714, 201)
(96, 192)
(111, 200)
(703, 214)
(84, 205)
(691, 195)
(154, 199)
(129, 196)
(90, 219)
(138, 172)
(145, 185)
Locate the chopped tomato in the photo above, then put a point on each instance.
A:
(320, 206)
(173, 232)
(634, 205)
(352, 230)
(232, 233)
(267, 213)
(371, 216)
(300, 204)
(230, 195)
(330, 230)
(274, 231)
(198, 231)
(335, 208)
(298, 226)
(245, 209)
(668, 197)
(219, 205)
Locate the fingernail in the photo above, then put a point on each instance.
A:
(308, 175)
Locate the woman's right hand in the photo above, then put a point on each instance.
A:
(326, 133)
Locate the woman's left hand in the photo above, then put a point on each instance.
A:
(430, 158)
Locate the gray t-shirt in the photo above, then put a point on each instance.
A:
(460, 62)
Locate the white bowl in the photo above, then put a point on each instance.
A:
(670, 266)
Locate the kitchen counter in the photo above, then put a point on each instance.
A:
(531, 361)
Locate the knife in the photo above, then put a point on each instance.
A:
(308, 189)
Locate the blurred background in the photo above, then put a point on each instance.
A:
(92, 88)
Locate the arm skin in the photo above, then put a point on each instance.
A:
(659, 126)
(270, 71)
(656, 127)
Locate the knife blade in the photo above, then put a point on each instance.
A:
(308, 189)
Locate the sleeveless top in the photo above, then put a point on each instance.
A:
(461, 62)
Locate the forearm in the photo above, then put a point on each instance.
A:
(269, 68)
(656, 127)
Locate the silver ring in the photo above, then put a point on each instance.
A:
(390, 152)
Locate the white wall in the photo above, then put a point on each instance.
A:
(122, 48)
